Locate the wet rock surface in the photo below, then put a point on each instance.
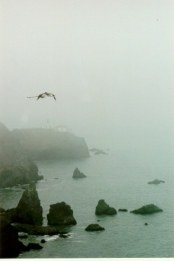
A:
(60, 214)
(103, 208)
(94, 227)
(29, 209)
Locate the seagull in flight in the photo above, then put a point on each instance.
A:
(43, 95)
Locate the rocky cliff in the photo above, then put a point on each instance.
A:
(51, 144)
(20, 147)
(15, 165)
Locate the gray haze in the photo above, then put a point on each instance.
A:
(110, 64)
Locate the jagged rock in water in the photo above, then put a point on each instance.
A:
(60, 214)
(147, 209)
(104, 209)
(10, 246)
(156, 181)
(29, 210)
(77, 174)
(94, 227)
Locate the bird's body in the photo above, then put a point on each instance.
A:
(43, 95)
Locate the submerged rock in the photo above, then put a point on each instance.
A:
(147, 209)
(104, 209)
(60, 214)
(94, 227)
(156, 181)
(78, 174)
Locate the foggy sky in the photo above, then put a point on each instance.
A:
(110, 64)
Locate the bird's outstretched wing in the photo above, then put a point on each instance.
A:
(54, 97)
(32, 97)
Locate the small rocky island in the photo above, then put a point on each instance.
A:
(147, 209)
(94, 227)
(156, 181)
(60, 214)
(103, 208)
(77, 174)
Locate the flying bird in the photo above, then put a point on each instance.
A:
(43, 95)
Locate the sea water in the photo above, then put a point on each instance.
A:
(121, 180)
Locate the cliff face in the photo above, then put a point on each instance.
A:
(51, 144)
(15, 165)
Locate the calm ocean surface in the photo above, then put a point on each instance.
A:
(121, 180)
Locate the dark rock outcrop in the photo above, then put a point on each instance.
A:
(10, 246)
(156, 181)
(122, 210)
(147, 209)
(28, 210)
(33, 246)
(60, 214)
(94, 227)
(104, 209)
(77, 174)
